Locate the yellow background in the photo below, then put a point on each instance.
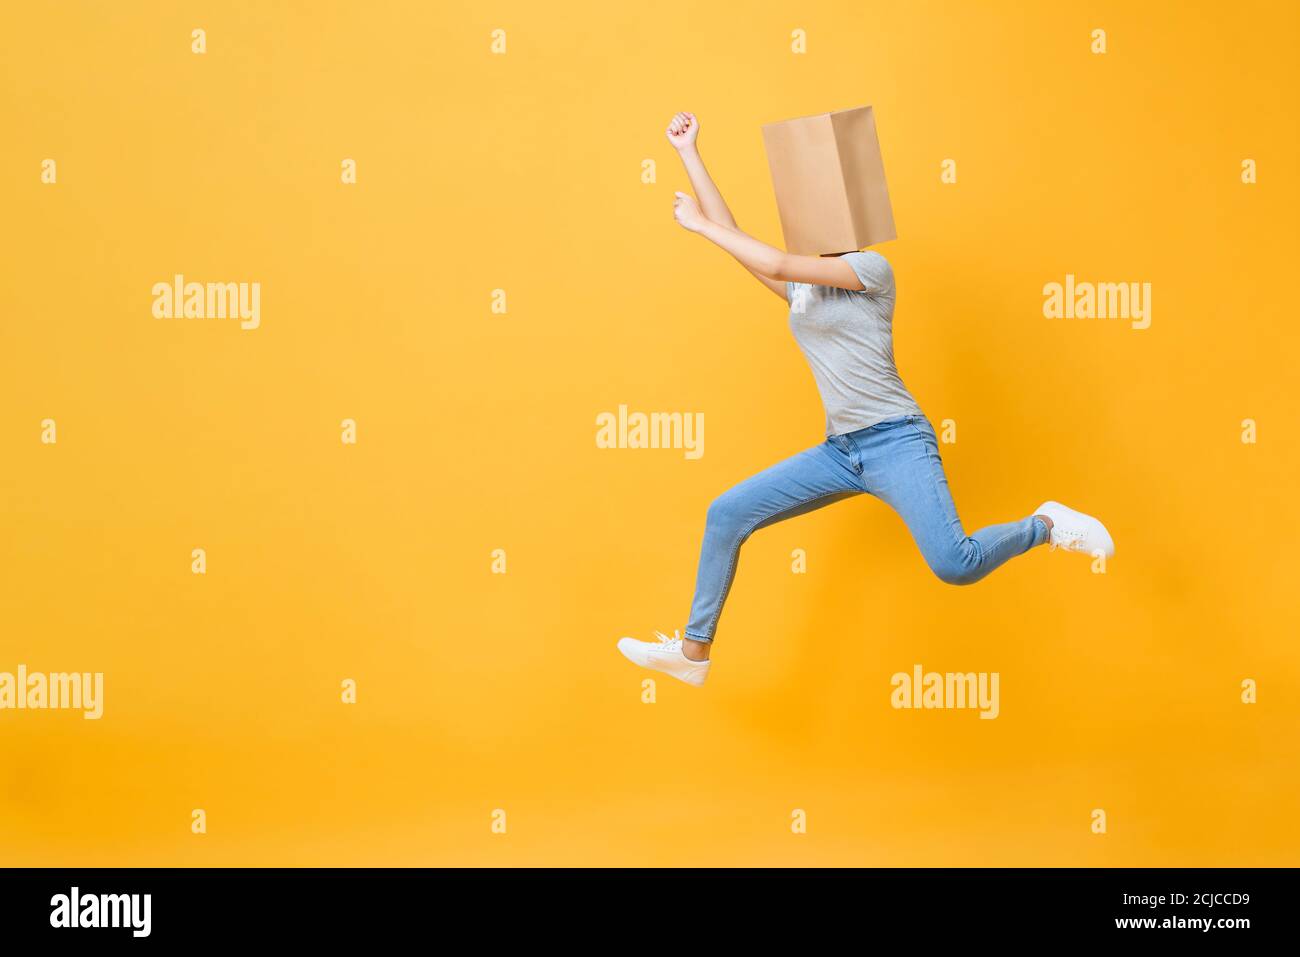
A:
(476, 431)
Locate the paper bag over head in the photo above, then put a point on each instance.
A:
(830, 182)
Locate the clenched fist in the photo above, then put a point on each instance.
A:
(682, 130)
(687, 212)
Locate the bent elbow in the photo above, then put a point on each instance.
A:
(779, 266)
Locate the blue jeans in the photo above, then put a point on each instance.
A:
(898, 462)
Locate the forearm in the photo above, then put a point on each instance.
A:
(706, 192)
(754, 255)
(776, 266)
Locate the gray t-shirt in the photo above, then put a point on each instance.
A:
(848, 338)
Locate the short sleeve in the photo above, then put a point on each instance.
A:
(875, 272)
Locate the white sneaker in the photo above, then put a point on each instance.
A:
(1075, 532)
(665, 655)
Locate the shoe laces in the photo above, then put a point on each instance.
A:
(1067, 539)
(669, 644)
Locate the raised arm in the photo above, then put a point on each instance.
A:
(683, 133)
(764, 260)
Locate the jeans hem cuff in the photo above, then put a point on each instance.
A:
(1041, 533)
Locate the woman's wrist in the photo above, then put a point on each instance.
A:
(709, 229)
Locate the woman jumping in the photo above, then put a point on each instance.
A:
(878, 439)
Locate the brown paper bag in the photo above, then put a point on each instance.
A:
(830, 182)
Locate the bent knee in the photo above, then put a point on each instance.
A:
(726, 513)
(955, 569)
